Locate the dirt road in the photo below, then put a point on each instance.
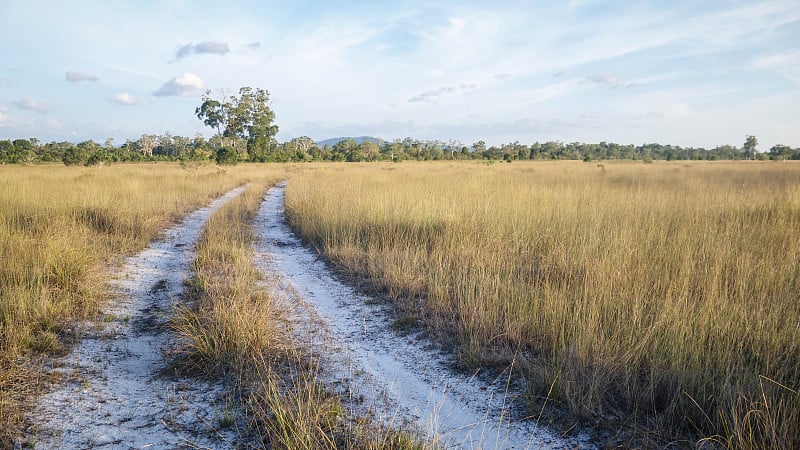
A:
(403, 381)
(116, 394)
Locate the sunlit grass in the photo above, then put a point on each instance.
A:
(666, 294)
(62, 231)
(231, 328)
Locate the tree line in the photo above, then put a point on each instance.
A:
(245, 131)
(166, 147)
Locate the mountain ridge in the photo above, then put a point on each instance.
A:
(358, 139)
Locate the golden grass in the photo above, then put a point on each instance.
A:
(665, 295)
(231, 322)
(232, 328)
(62, 230)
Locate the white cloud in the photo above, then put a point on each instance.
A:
(207, 47)
(429, 96)
(432, 95)
(33, 105)
(180, 86)
(124, 99)
(5, 118)
(611, 81)
(787, 63)
(456, 25)
(50, 124)
(74, 77)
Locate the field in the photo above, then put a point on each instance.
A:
(62, 231)
(658, 300)
(664, 295)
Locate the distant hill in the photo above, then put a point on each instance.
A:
(333, 141)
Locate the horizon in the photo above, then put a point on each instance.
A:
(632, 73)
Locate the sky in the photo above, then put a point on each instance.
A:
(683, 72)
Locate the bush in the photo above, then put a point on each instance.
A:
(227, 155)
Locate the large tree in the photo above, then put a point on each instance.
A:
(246, 116)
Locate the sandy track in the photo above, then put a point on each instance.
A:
(116, 394)
(402, 381)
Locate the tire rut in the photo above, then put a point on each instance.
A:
(117, 393)
(401, 381)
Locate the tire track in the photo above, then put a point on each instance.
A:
(117, 394)
(400, 381)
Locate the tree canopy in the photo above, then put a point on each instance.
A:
(247, 116)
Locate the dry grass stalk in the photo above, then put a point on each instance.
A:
(659, 294)
(62, 230)
(232, 329)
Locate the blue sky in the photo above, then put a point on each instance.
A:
(684, 72)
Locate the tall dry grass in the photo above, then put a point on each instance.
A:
(664, 295)
(231, 328)
(62, 230)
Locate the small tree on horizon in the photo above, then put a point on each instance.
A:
(750, 147)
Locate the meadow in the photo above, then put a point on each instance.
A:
(230, 327)
(63, 230)
(658, 300)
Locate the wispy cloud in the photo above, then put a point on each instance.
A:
(124, 99)
(786, 63)
(75, 77)
(180, 86)
(33, 105)
(253, 45)
(433, 95)
(610, 81)
(206, 47)
(5, 118)
(7, 82)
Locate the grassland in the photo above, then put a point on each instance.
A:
(658, 299)
(230, 327)
(62, 232)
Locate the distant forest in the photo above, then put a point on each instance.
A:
(227, 150)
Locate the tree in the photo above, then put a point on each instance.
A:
(780, 152)
(479, 147)
(247, 116)
(211, 112)
(750, 147)
(7, 153)
(75, 155)
(146, 144)
(23, 151)
(227, 155)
